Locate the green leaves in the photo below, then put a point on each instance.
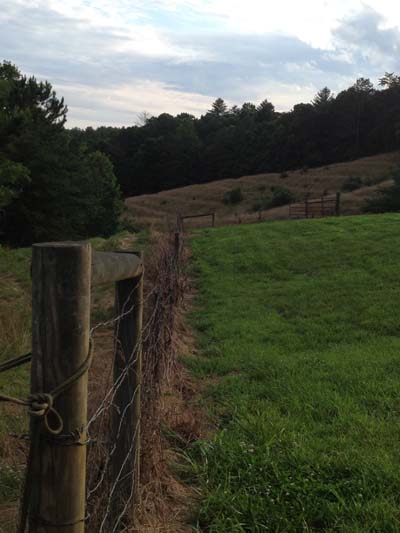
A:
(51, 186)
(13, 178)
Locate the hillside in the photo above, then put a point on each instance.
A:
(161, 209)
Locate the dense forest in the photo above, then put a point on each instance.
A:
(57, 183)
(167, 152)
(51, 186)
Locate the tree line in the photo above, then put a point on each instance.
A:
(57, 183)
(52, 186)
(172, 151)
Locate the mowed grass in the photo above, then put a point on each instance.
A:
(298, 325)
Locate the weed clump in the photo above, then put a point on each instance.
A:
(352, 183)
(261, 204)
(234, 196)
(281, 196)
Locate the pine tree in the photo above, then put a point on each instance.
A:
(219, 108)
(323, 98)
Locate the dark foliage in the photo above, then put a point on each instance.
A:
(234, 196)
(262, 203)
(387, 199)
(281, 196)
(352, 183)
(167, 152)
(52, 186)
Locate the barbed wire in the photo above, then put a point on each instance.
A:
(164, 286)
(163, 289)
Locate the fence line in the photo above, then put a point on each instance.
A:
(58, 495)
(317, 207)
(181, 218)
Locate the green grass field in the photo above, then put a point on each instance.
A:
(298, 324)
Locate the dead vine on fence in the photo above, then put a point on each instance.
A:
(108, 508)
(164, 287)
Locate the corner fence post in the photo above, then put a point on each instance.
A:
(126, 414)
(61, 274)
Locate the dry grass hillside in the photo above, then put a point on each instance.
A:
(160, 210)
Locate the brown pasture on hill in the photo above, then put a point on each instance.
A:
(160, 210)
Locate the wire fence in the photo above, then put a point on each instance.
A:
(118, 470)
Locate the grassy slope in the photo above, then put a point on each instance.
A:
(298, 323)
(161, 209)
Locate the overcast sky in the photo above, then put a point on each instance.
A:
(113, 59)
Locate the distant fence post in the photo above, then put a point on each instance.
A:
(182, 218)
(61, 274)
(306, 207)
(126, 414)
(337, 204)
(179, 222)
(177, 245)
(322, 207)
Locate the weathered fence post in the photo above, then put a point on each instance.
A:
(213, 220)
(127, 402)
(179, 222)
(61, 275)
(337, 204)
(177, 245)
(306, 207)
(322, 207)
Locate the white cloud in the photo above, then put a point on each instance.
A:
(114, 58)
(120, 105)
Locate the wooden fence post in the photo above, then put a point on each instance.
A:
(61, 274)
(177, 245)
(337, 204)
(306, 207)
(213, 220)
(126, 414)
(179, 222)
(322, 207)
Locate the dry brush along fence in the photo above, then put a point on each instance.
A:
(85, 469)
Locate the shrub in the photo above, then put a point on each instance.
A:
(261, 204)
(387, 199)
(377, 179)
(352, 183)
(281, 196)
(234, 196)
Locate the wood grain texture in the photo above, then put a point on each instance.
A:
(126, 414)
(60, 343)
(108, 267)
